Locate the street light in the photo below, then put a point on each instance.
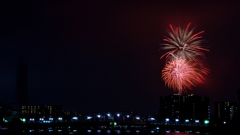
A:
(177, 120)
(196, 121)
(206, 122)
(152, 118)
(118, 117)
(167, 119)
(89, 117)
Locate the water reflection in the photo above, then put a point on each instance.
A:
(139, 132)
(114, 132)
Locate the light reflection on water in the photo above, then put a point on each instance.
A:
(139, 132)
(119, 132)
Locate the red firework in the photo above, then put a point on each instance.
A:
(181, 74)
(184, 43)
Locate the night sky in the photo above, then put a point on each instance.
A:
(101, 56)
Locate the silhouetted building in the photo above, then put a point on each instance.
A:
(182, 109)
(22, 84)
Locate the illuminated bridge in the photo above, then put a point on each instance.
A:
(115, 116)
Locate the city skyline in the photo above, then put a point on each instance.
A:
(92, 57)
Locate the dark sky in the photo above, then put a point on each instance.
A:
(100, 56)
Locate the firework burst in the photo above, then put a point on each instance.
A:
(181, 74)
(182, 42)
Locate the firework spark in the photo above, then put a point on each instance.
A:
(182, 42)
(181, 74)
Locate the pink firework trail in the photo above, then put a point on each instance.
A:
(181, 74)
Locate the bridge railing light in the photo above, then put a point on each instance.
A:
(167, 119)
(206, 121)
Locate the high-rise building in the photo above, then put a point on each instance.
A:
(22, 84)
(228, 112)
(178, 108)
(225, 111)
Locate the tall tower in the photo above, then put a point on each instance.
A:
(22, 84)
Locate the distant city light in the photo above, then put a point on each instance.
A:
(46, 121)
(224, 122)
(50, 118)
(128, 116)
(89, 117)
(197, 121)
(206, 122)
(138, 118)
(108, 114)
(177, 120)
(187, 120)
(98, 116)
(75, 118)
(167, 119)
(31, 119)
(118, 114)
(41, 119)
(60, 118)
(152, 118)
